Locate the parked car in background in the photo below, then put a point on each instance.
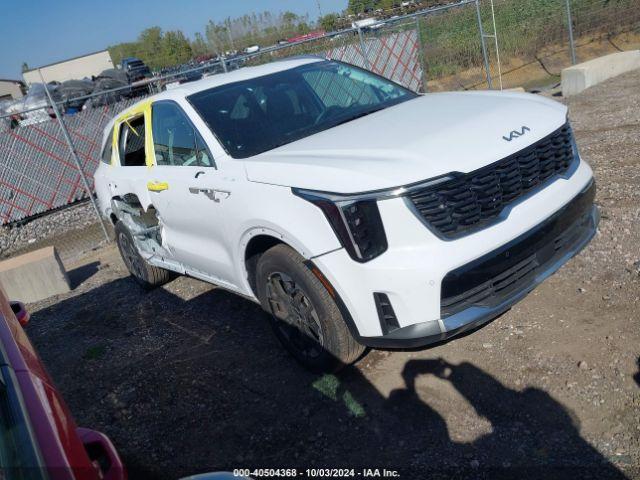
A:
(307, 36)
(367, 24)
(190, 74)
(252, 49)
(39, 438)
(135, 69)
(353, 210)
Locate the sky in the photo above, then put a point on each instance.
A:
(40, 32)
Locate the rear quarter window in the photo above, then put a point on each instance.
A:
(108, 149)
(132, 143)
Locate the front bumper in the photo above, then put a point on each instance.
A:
(427, 333)
(417, 272)
(576, 223)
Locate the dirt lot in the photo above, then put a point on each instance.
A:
(189, 378)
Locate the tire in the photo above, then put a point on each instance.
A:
(304, 316)
(146, 275)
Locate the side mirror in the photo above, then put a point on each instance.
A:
(20, 312)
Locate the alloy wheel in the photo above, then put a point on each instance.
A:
(130, 256)
(295, 315)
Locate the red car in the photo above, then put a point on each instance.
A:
(38, 437)
(307, 36)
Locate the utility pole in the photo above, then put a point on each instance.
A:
(484, 45)
(572, 45)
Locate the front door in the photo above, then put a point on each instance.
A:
(189, 194)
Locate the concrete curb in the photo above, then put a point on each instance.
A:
(34, 276)
(579, 77)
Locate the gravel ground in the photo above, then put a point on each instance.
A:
(189, 378)
(73, 230)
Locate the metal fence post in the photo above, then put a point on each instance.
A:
(421, 59)
(74, 155)
(364, 50)
(572, 44)
(484, 45)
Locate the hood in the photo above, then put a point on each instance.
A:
(416, 140)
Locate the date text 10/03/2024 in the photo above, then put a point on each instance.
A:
(318, 473)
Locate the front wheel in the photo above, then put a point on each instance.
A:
(146, 275)
(305, 318)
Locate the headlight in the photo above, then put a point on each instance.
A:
(355, 218)
(356, 223)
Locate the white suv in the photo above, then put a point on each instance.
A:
(356, 212)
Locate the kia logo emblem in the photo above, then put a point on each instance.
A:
(517, 133)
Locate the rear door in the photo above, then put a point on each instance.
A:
(131, 157)
(191, 197)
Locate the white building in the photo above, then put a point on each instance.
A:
(10, 89)
(73, 69)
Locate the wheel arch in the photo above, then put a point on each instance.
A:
(259, 243)
(254, 243)
(253, 250)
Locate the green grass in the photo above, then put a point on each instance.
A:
(329, 386)
(451, 39)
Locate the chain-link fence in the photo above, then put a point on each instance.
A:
(471, 44)
(539, 38)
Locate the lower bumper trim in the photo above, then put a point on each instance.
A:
(427, 333)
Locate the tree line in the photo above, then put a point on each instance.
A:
(160, 49)
(362, 6)
(356, 7)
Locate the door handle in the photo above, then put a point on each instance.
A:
(215, 195)
(157, 186)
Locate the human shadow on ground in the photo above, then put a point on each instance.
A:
(189, 386)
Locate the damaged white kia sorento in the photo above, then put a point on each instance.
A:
(356, 212)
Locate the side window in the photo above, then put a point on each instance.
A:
(108, 148)
(131, 143)
(204, 157)
(175, 139)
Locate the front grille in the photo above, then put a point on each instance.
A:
(474, 200)
(492, 279)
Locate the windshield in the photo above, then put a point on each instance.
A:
(256, 115)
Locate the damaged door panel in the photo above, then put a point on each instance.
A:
(148, 231)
